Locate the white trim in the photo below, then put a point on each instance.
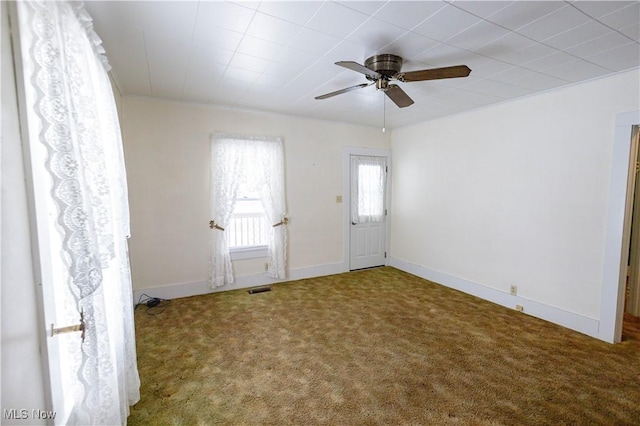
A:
(248, 252)
(346, 198)
(194, 288)
(571, 320)
(616, 245)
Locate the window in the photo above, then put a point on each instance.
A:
(247, 205)
(370, 190)
(368, 180)
(248, 226)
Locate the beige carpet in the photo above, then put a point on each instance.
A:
(374, 347)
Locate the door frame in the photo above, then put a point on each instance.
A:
(346, 199)
(42, 230)
(618, 228)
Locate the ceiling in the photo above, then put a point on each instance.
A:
(277, 56)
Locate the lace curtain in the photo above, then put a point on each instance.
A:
(258, 164)
(74, 111)
(368, 180)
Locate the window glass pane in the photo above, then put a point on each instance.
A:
(248, 226)
(370, 190)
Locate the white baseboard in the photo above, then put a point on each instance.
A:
(175, 291)
(570, 320)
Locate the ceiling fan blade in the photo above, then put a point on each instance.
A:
(341, 91)
(435, 73)
(398, 96)
(354, 66)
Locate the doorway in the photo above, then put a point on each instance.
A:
(366, 191)
(631, 317)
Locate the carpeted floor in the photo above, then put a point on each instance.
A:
(374, 347)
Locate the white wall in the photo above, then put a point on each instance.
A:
(167, 157)
(22, 380)
(514, 194)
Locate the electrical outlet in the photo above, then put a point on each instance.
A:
(513, 290)
(266, 266)
(338, 198)
(519, 308)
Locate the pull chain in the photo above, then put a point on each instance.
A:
(384, 113)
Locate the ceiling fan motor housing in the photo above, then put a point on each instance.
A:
(385, 64)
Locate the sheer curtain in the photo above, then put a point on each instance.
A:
(258, 163)
(368, 180)
(75, 112)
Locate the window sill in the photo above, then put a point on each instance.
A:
(248, 253)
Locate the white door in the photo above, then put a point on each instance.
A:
(368, 211)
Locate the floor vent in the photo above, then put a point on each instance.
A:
(259, 290)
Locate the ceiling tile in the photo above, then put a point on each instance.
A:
(597, 9)
(260, 48)
(313, 41)
(244, 3)
(521, 13)
(205, 37)
(294, 65)
(277, 75)
(297, 12)
(201, 81)
(167, 58)
(598, 45)
(482, 9)
(408, 14)
(521, 56)
(225, 15)
(272, 29)
(489, 68)
(446, 23)
(336, 20)
(528, 79)
(632, 31)
(409, 45)
(538, 82)
(556, 22)
(503, 47)
(478, 35)
(205, 56)
(346, 51)
(551, 61)
(375, 34)
(364, 6)
(619, 58)
(623, 17)
(296, 59)
(249, 63)
(172, 19)
(241, 75)
(576, 71)
(444, 55)
(494, 88)
(470, 97)
(577, 35)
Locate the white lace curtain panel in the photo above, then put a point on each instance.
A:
(368, 180)
(258, 163)
(78, 125)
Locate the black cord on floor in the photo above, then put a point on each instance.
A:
(155, 305)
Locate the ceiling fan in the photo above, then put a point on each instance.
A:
(383, 68)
